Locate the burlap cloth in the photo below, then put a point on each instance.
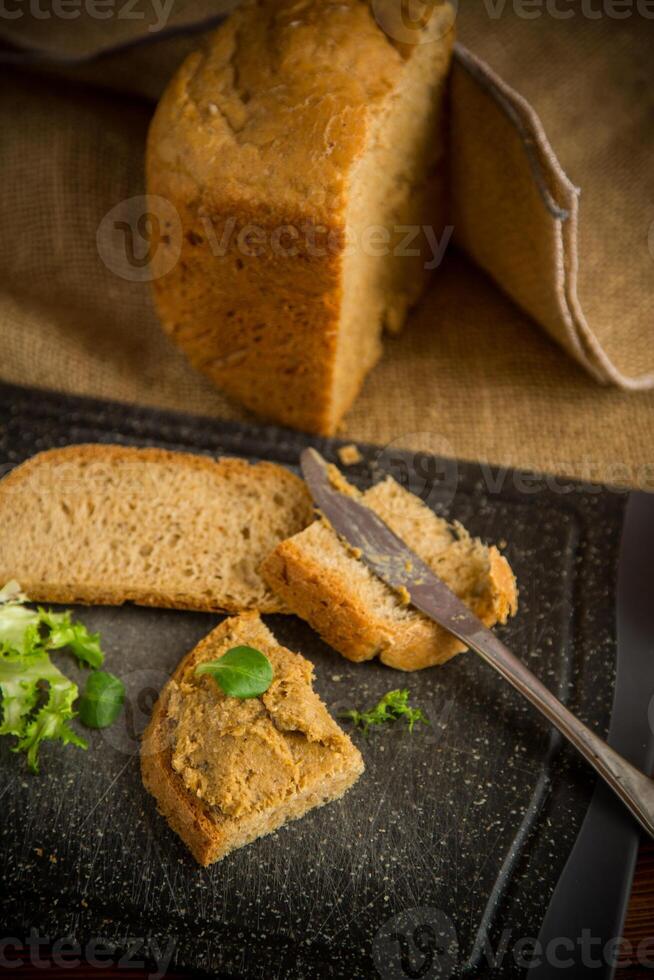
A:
(476, 374)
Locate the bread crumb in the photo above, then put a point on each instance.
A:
(349, 455)
(38, 851)
(404, 596)
(339, 482)
(52, 858)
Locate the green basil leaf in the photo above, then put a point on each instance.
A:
(242, 672)
(102, 700)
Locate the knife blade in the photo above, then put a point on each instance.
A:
(385, 553)
(391, 560)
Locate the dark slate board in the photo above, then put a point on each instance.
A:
(464, 826)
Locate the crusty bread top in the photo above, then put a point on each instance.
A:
(246, 756)
(106, 524)
(298, 129)
(281, 116)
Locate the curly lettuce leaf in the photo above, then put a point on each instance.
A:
(23, 629)
(19, 678)
(19, 627)
(64, 633)
(50, 722)
(36, 698)
(22, 677)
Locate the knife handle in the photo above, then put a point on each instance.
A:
(634, 788)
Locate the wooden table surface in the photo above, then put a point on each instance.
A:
(639, 928)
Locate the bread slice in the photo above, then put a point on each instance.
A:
(224, 771)
(108, 524)
(304, 150)
(356, 613)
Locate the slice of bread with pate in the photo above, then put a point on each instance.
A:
(321, 580)
(110, 524)
(225, 771)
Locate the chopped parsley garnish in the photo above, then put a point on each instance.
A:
(390, 708)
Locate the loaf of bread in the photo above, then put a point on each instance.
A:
(225, 771)
(303, 149)
(110, 524)
(356, 613)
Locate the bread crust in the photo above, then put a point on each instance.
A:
(345, 622)
(261, 130)
(276, 358)
(279, 479)
(210, 837)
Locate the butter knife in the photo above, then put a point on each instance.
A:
(392, 561)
